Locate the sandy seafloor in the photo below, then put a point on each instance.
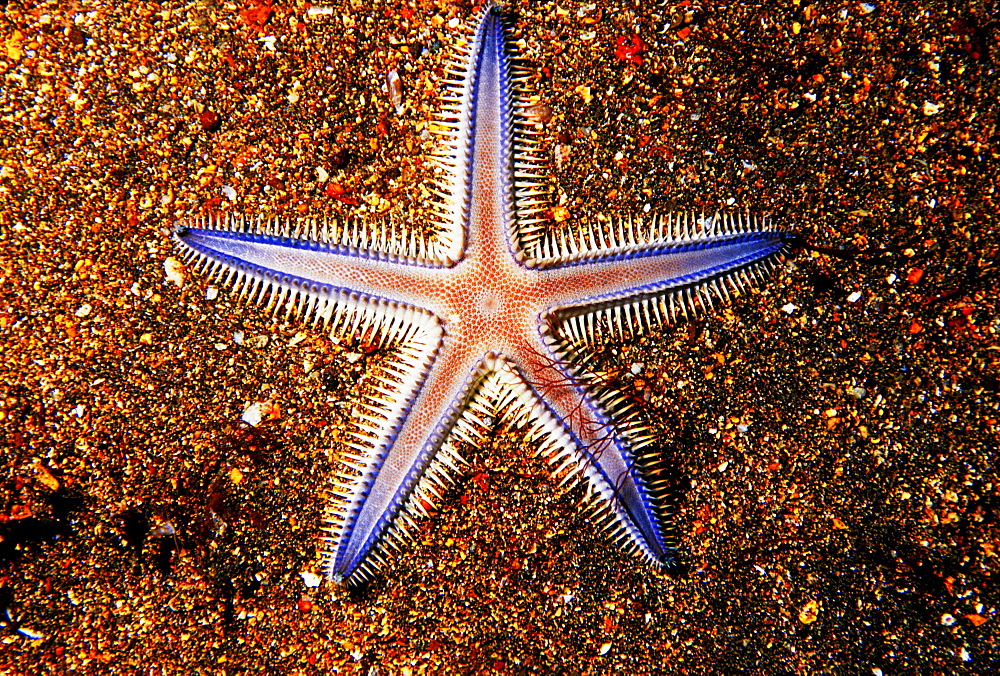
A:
(834, 435)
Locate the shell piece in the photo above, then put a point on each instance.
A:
(394, 85)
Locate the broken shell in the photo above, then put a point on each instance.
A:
(394, 85)
(174, 271)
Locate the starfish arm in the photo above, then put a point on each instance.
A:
(378, 467)
(621, 237)
(656, 285)
(378, 511)
(382, 241)
(598, 450)
(291, 262)
(663, 268)
(475, 125)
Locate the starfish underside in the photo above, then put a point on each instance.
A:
(491, 312)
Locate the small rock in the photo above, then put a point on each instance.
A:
(75, 36)
(562, 154)
(209, 120)
(257, 341)
(340, 159)
(174, 271)
(163, 530)
(539, 113)
(260, 410)
(809, 612)
(931, 108)
(310, 579)
(45, 477)
(252, 415)
(976, 619)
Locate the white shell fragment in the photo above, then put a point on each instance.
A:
(317, 10)
(310, 579)
(253, 414)
(30, 633)
(174, 271)
(931, 108)
(394, 85)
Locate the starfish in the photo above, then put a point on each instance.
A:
(492, 296)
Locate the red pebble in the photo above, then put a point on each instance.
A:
(209, 120)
